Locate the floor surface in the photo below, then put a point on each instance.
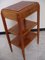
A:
(32, 52)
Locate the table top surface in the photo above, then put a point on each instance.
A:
(21, 5)
(22, 9)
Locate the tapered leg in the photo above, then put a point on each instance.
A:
(38, 24)
(21, 37)
(22, 46)
(5, 26)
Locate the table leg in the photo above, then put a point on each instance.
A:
(38, 26)
(21, 37)
(5, 26)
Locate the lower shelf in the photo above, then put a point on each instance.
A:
(30, 36)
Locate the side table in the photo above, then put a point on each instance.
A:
(22, 29)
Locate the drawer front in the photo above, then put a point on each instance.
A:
(9, 14)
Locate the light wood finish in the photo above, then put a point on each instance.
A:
(19, 12)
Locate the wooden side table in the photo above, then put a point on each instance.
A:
(23, 28)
